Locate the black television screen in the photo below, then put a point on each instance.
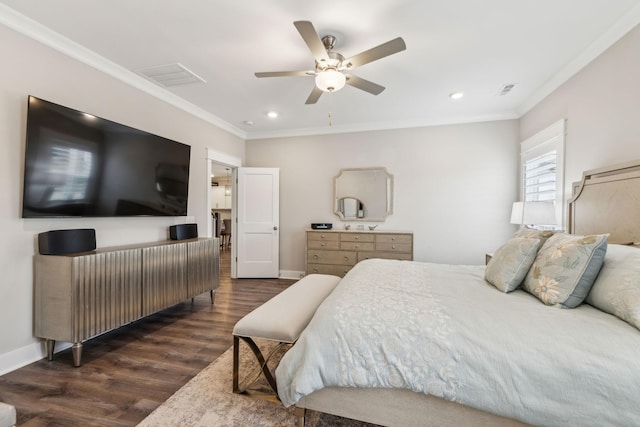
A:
(79, 165)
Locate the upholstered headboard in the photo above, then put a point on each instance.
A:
(607, 200)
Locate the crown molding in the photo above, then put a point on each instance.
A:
(604, 42)
(379, 126)
(36, 31)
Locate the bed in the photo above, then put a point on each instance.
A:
(553, 342)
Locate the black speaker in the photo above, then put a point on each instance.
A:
(183, 231)
(59, 242)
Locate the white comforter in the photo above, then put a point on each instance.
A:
(442, 330)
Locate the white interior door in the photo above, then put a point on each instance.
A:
(258, 212)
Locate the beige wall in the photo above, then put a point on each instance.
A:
(31, 68)
(602, 106)
(454, 185)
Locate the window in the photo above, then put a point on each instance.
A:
(542, 168)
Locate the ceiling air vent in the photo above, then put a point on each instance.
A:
(506, 89)
(171, 75)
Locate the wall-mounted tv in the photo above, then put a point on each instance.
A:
(80, 165)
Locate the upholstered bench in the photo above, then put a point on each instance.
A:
(7, 415)
(281, 319)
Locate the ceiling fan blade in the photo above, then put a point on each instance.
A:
(285, 73)
(365, 85)
(385, 49)
(311, 38)
(315, 95)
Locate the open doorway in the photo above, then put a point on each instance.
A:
(221, 205)
(221, 192)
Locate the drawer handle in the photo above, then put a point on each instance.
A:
(357, 246)
(357, 237)
(315, 257)
(346, 258)
(393, 238)
(322, 244)
(393, 246)
(315, 270)
(322, 236)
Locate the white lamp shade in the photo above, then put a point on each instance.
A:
(533, 213)
(330, 80)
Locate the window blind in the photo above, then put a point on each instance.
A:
(542, 168)
(540, 178)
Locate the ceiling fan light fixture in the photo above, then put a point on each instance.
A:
(330, 80)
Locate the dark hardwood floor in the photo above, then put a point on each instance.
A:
(127, 373)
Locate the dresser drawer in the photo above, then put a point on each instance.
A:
(320, 235)
(406, 239)
(323, 244)
(332, 257)
(404, 256)
(336, 270)
(393, 247)
(357, 246)
(357, 237)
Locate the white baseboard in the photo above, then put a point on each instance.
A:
(291, 274)
(25, 355)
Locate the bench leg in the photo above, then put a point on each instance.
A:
(236, 356)
(300, 413)
(262, 361)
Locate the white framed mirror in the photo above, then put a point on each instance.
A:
(363, 194)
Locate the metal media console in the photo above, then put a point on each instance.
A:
(79, 296)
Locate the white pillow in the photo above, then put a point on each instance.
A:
(617, 288)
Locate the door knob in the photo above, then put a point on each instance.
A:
(275, 227)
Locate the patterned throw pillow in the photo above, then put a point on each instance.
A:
(565, 268)
(510, 263)
(617, 288)
(532, 233)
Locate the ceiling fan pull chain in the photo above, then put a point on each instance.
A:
(330, 108)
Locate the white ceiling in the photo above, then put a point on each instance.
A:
(474, 46)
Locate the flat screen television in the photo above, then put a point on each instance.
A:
(80, 165)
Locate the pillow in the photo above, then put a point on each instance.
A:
(532, 233)
(617, 288)
(510, 263)
(565, 268)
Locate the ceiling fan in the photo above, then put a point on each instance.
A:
(332, 70)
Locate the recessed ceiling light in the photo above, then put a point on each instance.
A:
(272, 114)
(456, 95)
(248, 123)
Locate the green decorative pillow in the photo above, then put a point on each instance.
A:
(510, 263)
(565, 269)
(617, 288)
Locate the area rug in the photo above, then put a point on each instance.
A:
(208, 400)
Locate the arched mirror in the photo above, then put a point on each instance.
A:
(364, 194)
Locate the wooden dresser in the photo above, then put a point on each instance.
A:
(335, 252)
